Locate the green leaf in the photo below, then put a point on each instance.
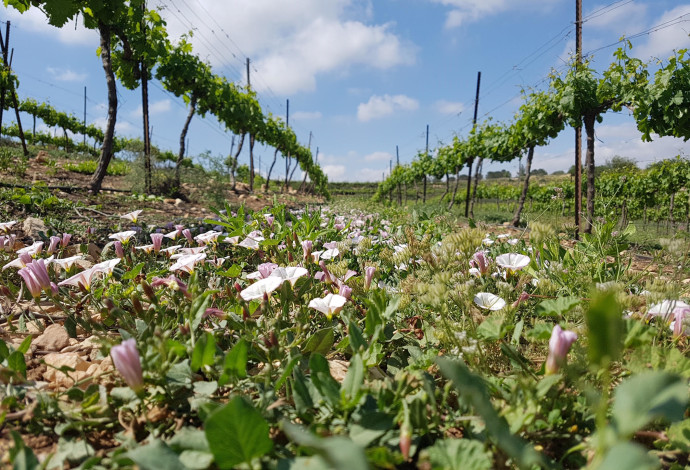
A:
(320, 342)
(340, 452)
(236, 361)
(605, 324)
(204, 352)
(4, 350)
(199, 306)
(628, 456)
(357, 341)
(557, 307)
(237, 433)
(24, 346)
(473, 388)
(371, 427)
(490, 329)
(17, 363)
(300, 390)
(154, 456)
(648, 396)
(353, 380)
(459, 454)
(322, 379)
(22, 457)
(679, 435)
(134, 272)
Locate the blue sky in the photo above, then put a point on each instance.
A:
(364, 76)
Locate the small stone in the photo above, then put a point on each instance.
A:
(42, 157)
(54, 338)
(32, 226)
(179, 202)
(169, 201)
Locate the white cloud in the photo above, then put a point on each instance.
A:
(334, 172)
(449, 107)
(625, 18)
(157, 107)
(662, 42)
(292, 45)
(66, 75)
(306, 115)
(370, 174)
(34, 20)
(625, 140)
(378, 157)
(467, 11)
(381, 106)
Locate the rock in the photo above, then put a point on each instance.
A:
(42, 157)
(54, 338)
(72, 360)
(178, 202)
(32, 226)
(338, 369)
(169, 201)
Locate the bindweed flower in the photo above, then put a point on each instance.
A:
(119, 251)
(290, 274)
(67, 263)
(307, 246)
(133, 216)
(207, 238)
(480, 262)
(122, 237)
(31, 250)
(172, 282)
(54, 242)
(489, 301)
(345, 291)
(35, 276)
(148, 249)
(559, 345)
(667, 309)
(127, 362)
(6, 226)
(512, 262)
(188, 235)
(66, 237)
(269, 219)
(20, 262)
(261, 288)
(187, 262)
(369, 272)
(523, 297)
(106, 267)
(81, 280)
(157, 239)
(329, 305)
(265, 269)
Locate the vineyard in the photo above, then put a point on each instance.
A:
(434, 320)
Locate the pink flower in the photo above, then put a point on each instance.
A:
(269, 219)
(188, 235)
(345, 291)
(266, 269)
(523, 297)
(481, 262)
(54, 241)
(368, 276)
(559, 345)
(36, 278)
(307, 245)
(157, 239)
(172, 282)
(119, 251)
(127, 362)
(66, 237)
(187, 262)
(82, 279)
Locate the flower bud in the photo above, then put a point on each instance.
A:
(127, 362)
(559, 345)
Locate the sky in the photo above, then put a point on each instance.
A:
(364, 77)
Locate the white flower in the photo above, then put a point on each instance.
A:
(67, 263)
(6, 226)
(31, 250)
(122, 237)
(488, 242)
(329, 305)
(145, 248)
(489, 301)
(208, 237)
(512, 261)
(106, 266)
(290, 274)
(667, 308)
(330, 253)
(259, 288)
(187, 262)
(132, 216)
(188, 251)
(251, 243)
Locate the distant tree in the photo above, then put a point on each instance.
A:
(498, 174)
(559, 172)
(539, 172)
